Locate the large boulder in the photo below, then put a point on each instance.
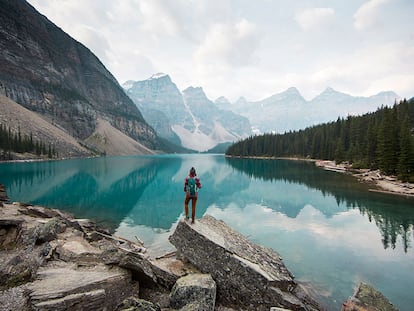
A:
(247, 275)
(47, 264)
(367, 298)
(194, 292)
(66, 286)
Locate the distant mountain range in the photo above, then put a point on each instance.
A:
(187, 118)
(288, 110)
(57, 78)
(191, 119)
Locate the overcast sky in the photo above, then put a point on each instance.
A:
(250, 48)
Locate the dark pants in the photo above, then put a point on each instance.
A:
(193, 206)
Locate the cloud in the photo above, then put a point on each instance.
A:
(231, 44)
(81, 20)
(369, 70)
(316, 18)
(227, 50)
(309, 222)
(158, 18)
(367, 16)
(237, 48)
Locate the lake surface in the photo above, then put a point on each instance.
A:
(330, 230)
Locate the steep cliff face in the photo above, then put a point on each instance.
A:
(161, 104)
(188, 118)
(46, 71)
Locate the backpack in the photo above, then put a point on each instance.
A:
(191, 186)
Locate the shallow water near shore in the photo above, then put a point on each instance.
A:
(330, 230)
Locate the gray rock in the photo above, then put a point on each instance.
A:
(135, 304)
(194, 292)
(19, 256)
(9, 231)
(160, 271)
(247, 274)
(3, 195)
(15, 298)
(65, 286)
(49, 231)
(367, 298)
(60, 270)
(37, 211)
(168, 270)
(139, 264)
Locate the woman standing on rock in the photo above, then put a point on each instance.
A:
(191, 186)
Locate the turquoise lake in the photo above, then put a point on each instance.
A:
(331, 231)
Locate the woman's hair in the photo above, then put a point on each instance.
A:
(193, 171)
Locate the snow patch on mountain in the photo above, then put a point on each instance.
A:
(288, 110)
(195, 140)
(158, 75)
(186, 117)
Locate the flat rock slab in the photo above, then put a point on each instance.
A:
(246, 274)
(64, 286)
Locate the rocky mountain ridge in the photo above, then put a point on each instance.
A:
(46, 71)
(289, 110)
(188, 118)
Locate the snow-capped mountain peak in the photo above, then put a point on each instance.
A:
(158, 75)
(188, 118)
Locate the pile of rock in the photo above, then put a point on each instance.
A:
(52, 261)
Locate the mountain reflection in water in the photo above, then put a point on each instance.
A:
(394, 215)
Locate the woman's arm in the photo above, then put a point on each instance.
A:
(198, 183)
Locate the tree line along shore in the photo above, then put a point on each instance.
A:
(381, 140)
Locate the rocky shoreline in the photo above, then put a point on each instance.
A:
(50, 260)
(378, 181)
(374, 178)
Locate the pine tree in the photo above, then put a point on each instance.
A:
(405, 156)
(387, 155)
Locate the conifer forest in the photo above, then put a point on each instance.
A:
(381, 140)
(19, 143)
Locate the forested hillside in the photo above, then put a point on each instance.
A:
(51, 74)
(381, 140)
(21, 143)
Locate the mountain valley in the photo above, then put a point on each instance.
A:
(187, 118)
